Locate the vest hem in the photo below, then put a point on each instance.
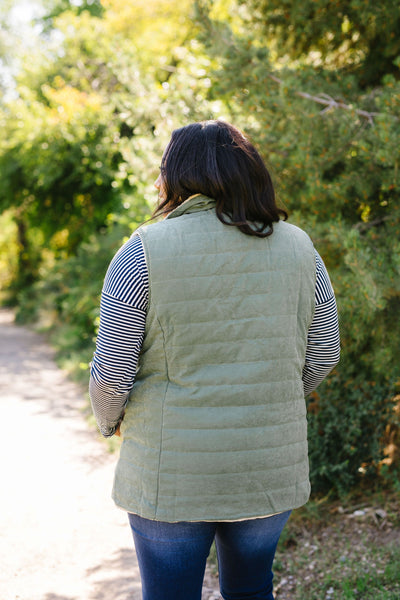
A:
(241, 517)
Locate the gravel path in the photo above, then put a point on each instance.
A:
(61, 537)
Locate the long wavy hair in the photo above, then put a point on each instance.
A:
(215, 159)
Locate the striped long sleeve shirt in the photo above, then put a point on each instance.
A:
(123, 307)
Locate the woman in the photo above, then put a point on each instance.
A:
(215, 323)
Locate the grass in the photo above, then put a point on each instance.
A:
(381, 583)
(362, 576)
(350, 553)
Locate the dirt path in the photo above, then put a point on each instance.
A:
(61, 537)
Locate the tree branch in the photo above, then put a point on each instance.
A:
(330, 103)
(364, 226)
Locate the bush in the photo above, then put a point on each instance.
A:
(66, 301)
(346, 427)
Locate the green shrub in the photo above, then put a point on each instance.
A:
(66, 301)
(8, 254)
(346, 426)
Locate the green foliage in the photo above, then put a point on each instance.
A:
(367, 283)
(346, 424)
(86, 132)
(58, 163)
(66, 300)
(65, 162)
(354, 35)
(327, 161)
(58, 7)
(8, 253)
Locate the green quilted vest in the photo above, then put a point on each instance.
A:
(215, 428)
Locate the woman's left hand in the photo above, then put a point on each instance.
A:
(118, 430)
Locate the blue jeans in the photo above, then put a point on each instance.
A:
(172, 557)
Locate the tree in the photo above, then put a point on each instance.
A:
(355, 36)
(323, 107)
(62, 151)
(86, 132)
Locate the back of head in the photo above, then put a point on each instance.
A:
(215, 159)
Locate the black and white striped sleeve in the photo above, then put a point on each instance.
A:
(123, 306)
(323, 342)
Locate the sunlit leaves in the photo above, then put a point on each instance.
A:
(154, 28)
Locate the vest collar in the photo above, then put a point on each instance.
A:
(193, 204)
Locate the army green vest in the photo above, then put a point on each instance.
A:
(215, 428)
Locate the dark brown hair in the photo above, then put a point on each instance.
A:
(215, 159)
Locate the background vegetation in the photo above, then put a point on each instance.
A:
(315, 84)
